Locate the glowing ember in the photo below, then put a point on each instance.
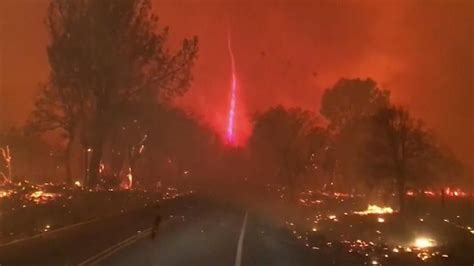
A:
(101, 168)
(42, 197)
(7, 158)
(374, 209)
(128, 182)
(429, 193)
(231, 115)
(454, 192)
(423, 256)
(380, 220)
(423, 242)
(130, 179)
(5, 193)
(77, 184)
(46, 228)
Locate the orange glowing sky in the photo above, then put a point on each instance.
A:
(288, 52)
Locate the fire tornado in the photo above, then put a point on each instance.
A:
(233, 88)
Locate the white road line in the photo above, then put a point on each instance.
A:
(48, 233)
(94, 260)
(238, 255)
(114, 248)
(64, 228)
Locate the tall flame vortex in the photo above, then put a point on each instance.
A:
(231, 115)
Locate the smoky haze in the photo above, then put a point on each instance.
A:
(288, 52)
(288, 132)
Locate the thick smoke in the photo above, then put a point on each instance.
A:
(289, 52)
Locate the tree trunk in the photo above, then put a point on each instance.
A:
(86, 165)
(401, 194)
(132, 163)
(68, 159)
(96, 157)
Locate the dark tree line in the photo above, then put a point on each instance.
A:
(111, 81)
(108, 60)
(280, 141)
(368, 142)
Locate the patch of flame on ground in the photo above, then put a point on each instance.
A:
(374, 209)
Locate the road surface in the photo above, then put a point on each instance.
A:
(194, 232)
(215, 236)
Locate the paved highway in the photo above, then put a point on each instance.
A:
(194, 232)
(213, 235)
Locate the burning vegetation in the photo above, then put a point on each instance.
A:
(329, 224)
(29, 209)
(361, 180)
(374, 209)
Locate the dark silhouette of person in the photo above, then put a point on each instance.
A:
(156, 222)
(443, 199)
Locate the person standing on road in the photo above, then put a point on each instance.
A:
(156, 222)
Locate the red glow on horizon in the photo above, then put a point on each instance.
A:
(231, 115)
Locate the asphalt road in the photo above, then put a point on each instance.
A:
(72, 245)
(214, 235)
(194, 232)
